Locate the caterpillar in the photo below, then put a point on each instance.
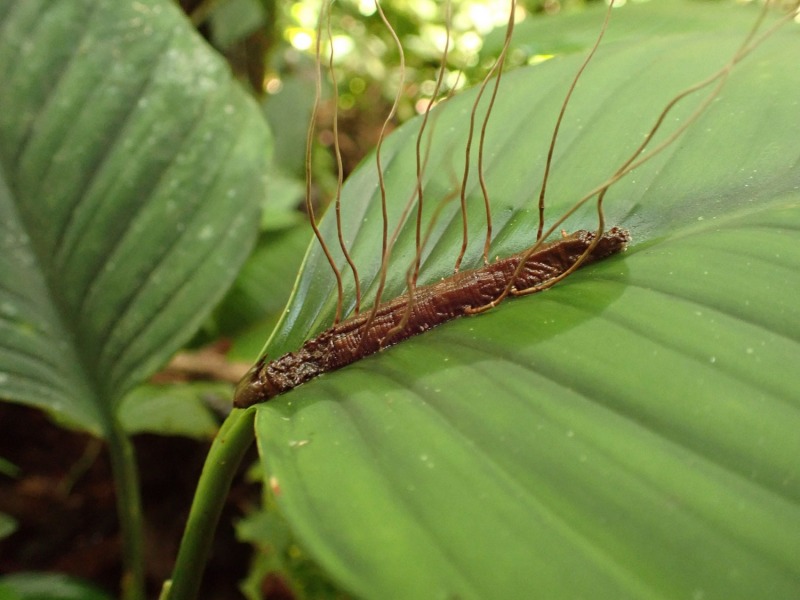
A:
(430, 306)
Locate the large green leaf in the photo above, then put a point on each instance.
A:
(130, 179)
(631, 432)
(32, 585)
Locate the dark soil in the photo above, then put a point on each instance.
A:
(63, 499)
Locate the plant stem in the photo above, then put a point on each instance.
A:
(234, 438)
(129, 511)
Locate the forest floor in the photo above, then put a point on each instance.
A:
(63, 500)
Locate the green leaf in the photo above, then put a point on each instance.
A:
(8, 525)
(277, 555)
(8, 468)
(48, 586)
(130, 180)
(262, 288)
(233, 21)
(174, 409)
(630, 433)
(666, 17)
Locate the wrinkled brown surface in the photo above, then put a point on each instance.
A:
(432, 305)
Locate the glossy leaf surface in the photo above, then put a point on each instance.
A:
(130, 179)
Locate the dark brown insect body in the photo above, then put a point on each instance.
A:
(431, 305)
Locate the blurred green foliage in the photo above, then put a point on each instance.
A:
(271, 45)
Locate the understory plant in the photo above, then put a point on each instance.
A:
(631, 433)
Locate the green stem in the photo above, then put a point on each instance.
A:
(234, 438)
(129, 509)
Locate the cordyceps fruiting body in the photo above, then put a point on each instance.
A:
(431, 305)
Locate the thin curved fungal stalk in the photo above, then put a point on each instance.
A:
(312, 124)
(560, 118)
(372, 314)
(387, 244)
(389, 117)
(439, 207)
(337, 151)
(418, 147)
(417, 195)
(389, 339)
(465, 177)
(468, 149)
(632, 163)
(411, 281)
(413, 272)
(635, 160)
(501, 59)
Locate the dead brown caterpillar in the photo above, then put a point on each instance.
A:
(432, 305)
